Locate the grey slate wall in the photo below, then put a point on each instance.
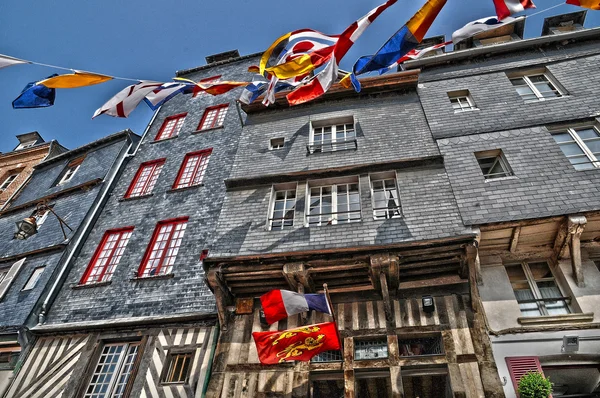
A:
(544, 182)
(574, 66)
(186, 291)
(388, 127)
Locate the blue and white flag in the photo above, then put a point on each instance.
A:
(481, 25)
(35, 95)
(162, 94)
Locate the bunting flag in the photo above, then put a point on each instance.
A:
(412, 55)
(280, 304)
(404, 40)
(35, 95)
(162, 94)
(75, 80)
(505, 8)
(299, 344)
(275, 60)
(126, 100)
(255, 89)
(481, 25)
(591, 4)
(214, 88)
(320, 83)
(5, 61)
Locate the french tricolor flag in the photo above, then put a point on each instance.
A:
(279, 304)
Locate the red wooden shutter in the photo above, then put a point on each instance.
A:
(518, 366)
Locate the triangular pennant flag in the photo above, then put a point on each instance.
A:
(126, 100)
(75, 80)
(162, 94)
(591, 4)
(5, 61)
(35, 96)
(481, 25)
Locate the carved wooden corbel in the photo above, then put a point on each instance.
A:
(575, 227)
(473, 263)
(223, 296)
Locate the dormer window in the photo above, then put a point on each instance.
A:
(25, 145)
(69, 172)
(332, 135)
(9, 180)
(535, 86)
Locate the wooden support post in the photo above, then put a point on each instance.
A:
(472, 253)
(222, 295)
(561, 241)
(515, 239)
(576, 225)
(395, 371)
(387, 302)
(349, 368)
(381, 267)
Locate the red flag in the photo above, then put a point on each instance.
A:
(299, 344)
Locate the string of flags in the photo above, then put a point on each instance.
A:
(305, 62)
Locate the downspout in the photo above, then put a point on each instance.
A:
(91, 218)
(211, 360)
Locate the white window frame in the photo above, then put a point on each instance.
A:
(70, 171)
(8, 181)
(526, 76)
(499, 157)
(119, 368)
(385, 177)
(275, 147)
(10, 276)
(334, 143)
(333, 184)
(594, 160)
(281, 188)
(41, 218)
(24, 145)
(34, 278)
(461, 97)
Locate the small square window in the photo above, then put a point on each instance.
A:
(178, 368)
(69, 172)
(461, 101)
(213, 117)
(535, 86)
(276, 143)
(370, 349)
(33, 279)
(171, 127)
(332, 135)
(493, 164)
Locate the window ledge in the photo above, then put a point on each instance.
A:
(210, 129)
(164, 139)
(466, 111)
(156, 277)
(501, 179)
(553, 319)
(90, 285)
(135, 197)
(173, 190)
(545, 99)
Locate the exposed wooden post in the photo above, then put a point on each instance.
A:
(514, 241)
(222, 295)
(349, 368)
(382, 266)
(472, 253)
(387, 302)
(296, 274)
(560, 242)
(576, 225)
(395, 371)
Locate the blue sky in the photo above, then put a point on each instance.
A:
(151, 39)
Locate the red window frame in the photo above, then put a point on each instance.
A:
(149, 183)
(200, 166)
(198, 90)
(174, 128)
(163, 256)
(221, 112)
(107, 269)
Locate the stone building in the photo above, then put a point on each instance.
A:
(62, 198)
(134, 316)
(518, 124)
(16, 166)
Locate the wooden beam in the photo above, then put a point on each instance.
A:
(348, 352)
(422, 264)
(560, 242)
(514, 241)
(387, 303)
(472, 253)
(222, 295)
(576, 225)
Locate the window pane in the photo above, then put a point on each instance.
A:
(588, 133)
(370, 349)
(373, 387)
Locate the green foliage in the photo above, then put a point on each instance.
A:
(534, 385)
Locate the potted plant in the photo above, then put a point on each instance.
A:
(534, 385)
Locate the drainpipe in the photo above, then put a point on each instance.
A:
(211, 360)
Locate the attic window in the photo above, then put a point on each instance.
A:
(493, 164)
(565, 27)
(69, 172)
(496, 40)
(276, 143)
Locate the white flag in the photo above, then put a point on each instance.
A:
(122, 104)
(5, 61)
(481, 25)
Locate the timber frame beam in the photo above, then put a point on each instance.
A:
(223, 296)
(575, 227)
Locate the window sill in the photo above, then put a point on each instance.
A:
(149, 278)
(545, 99)
(487, 180)
(164, 139)
(135, 197)
(554, 319)
(205, 130)
(90, 285)
(466, 111)
(185, 188)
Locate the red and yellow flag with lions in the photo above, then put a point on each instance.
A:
(300, 344)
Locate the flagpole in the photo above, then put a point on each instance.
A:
(329, 303)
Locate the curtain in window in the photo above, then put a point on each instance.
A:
(527, 309)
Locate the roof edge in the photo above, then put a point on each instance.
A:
(208, 66)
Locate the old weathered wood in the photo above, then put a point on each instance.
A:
(576, 225)
(514, 241)
(472, 252)
(561, 240)
(387, 304)
(222, 295)
(348, 353)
